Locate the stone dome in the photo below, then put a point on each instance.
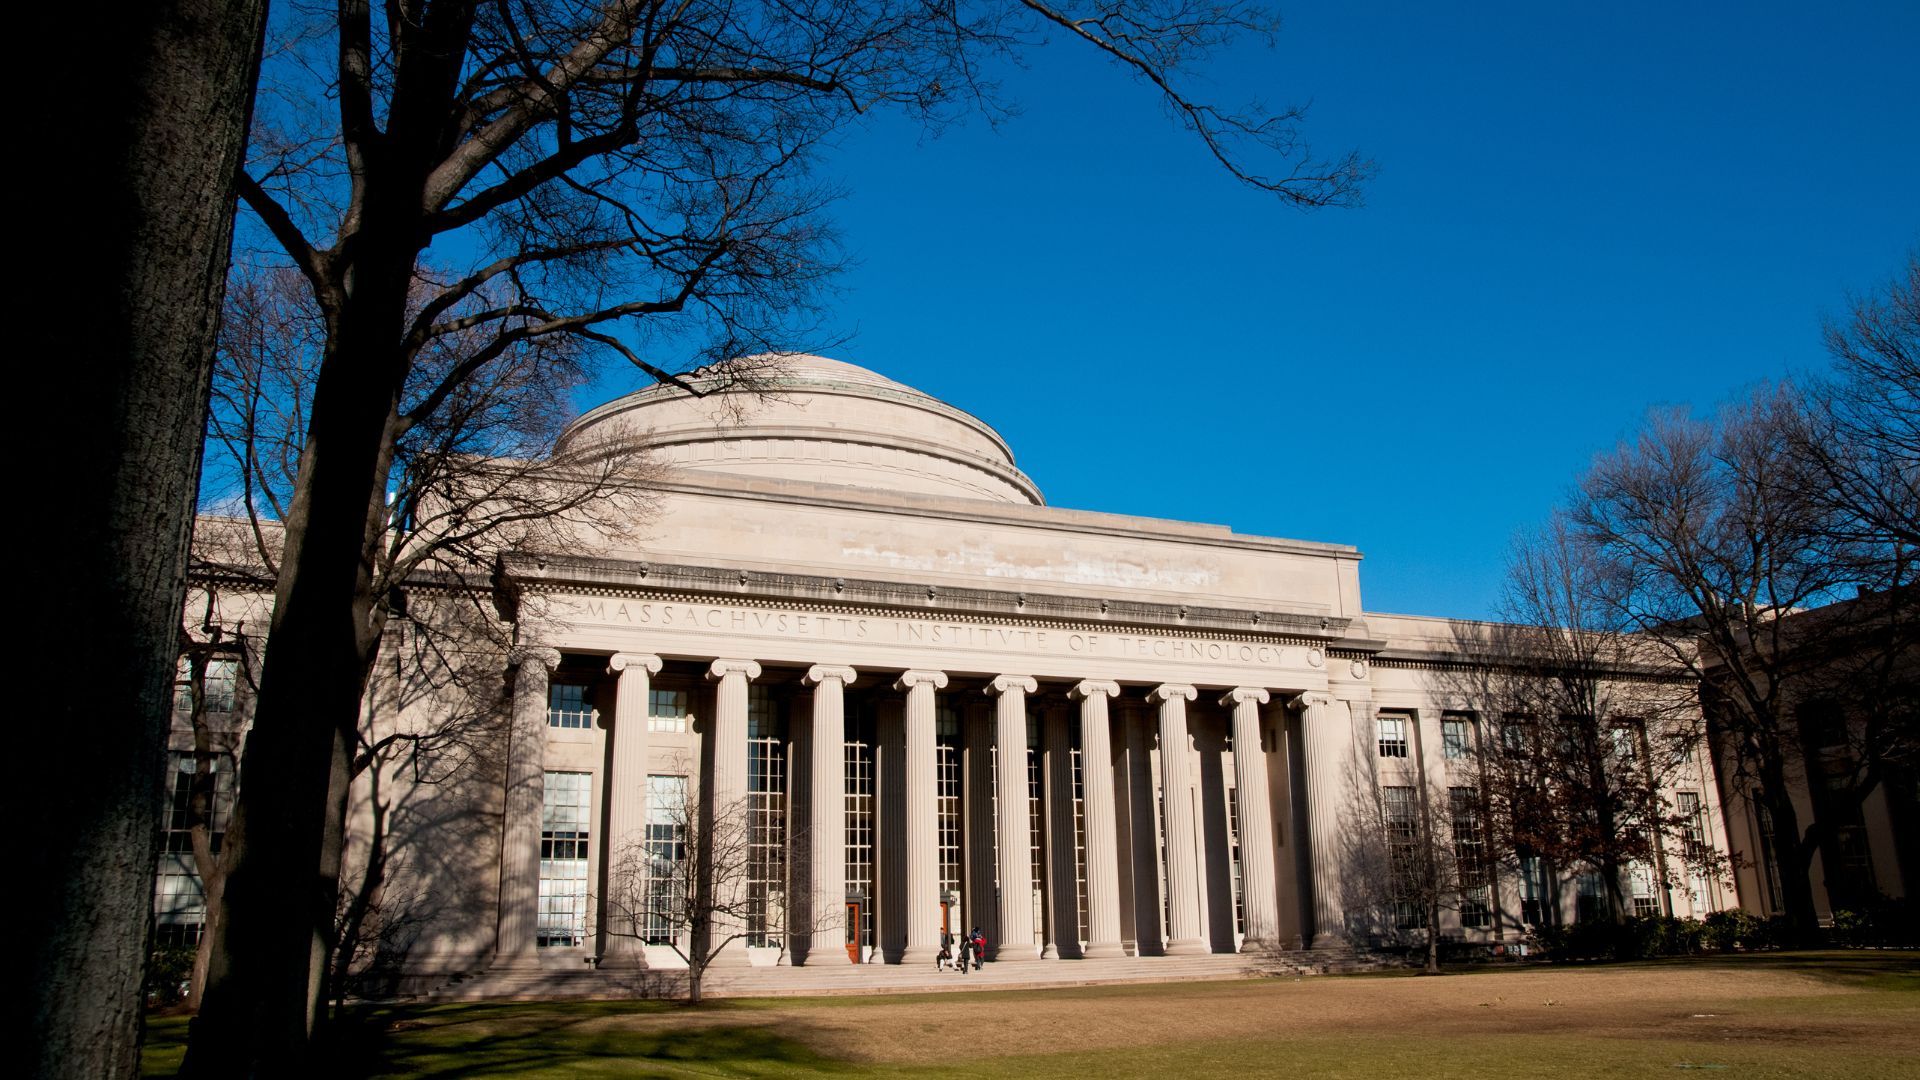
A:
(823, 421)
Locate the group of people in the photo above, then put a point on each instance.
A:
(973, 950)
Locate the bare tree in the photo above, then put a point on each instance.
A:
(690, 884)
(1590, 721)
(148, 196)
(624, 175)
(1401, 867)
(1722, 555)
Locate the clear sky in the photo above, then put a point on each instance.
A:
(1581, 212)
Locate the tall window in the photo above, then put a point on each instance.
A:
(179, 900)
(1533, 890)
(859, 774)
(766, 819)
(1470, 857)
(1035, 834)
(667, 711)
(1516, 735)
(1397, 813)
(1693, 827)
(218, 686)
(666, 856)
(564, 813)
(1625, 744)
(569, 706)
(1591, 900)
(1080, 836)
(1393, 735)
(1456, 737)
(1237, 875)
(946, 763)
(1640, 884)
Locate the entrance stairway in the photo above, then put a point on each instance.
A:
(844, 978)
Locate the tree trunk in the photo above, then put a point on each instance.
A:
(267, 980)
(137, 159)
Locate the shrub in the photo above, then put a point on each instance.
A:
(169, 968)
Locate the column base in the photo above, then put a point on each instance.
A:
(526, 960)
(1049, 951)
(630, 958)
(1326, 941)
(1189, 947)
(1104, 951)
(1255, 945)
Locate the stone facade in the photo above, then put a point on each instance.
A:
(852, 619)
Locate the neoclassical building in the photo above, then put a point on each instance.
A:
(857, 638)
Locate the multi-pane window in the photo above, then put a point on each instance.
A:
(1393, 735)
(1763, 820)
(1516, 735)
(667, 711)
(179, 901)
(564, 813)
(1645, 904)
(1036, 848)
(568, 706)
(766, 819)
(1455, 737)
(1625, 743)
(1591, 898)
(1080, 838)
(1470, 857)
(1533, 890)
(859, 792)
(1237, 874)
(218, 685)
(1693, 827)
(1397, 813)
(666, 857)
(946, 764)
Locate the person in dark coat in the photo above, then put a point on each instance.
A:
(966, 953)
(945, 956)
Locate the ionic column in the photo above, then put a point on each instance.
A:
(1323, 744)
(519, 912)
(1103, 853)
(726, 820)
(1184, 936)
(1062, 936)
(1015, 939)
(626, 795)
(922, 824)
(827, 824)
(1259, 895)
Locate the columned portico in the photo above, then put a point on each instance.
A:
(626, 800)
(1259, 893)
(922, 831)
(1014, 858)
(1062, 937)
(824, 914)
(1103, 856)
(520, 843)
(1184, 928)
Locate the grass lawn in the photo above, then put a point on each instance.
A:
(1828, 1014)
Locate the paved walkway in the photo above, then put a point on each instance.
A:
(747, 981)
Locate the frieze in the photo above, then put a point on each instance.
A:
(690, 616)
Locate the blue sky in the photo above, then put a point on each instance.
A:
(1580, 212)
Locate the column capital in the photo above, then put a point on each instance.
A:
(910, 679)
(1240, 695)
(1003, 683)
(820, 673)
(1169, 691)
(1087, 688)
(720, 669)
(621, 661)
(545, 655)
(1309, 700)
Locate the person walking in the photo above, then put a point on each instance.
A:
(979, 947)
(966, 953)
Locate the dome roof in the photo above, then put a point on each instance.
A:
(820, 420)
